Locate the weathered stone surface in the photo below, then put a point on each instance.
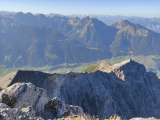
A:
(18, 114)
(50, 82)
(126, 69)
(151, 118)
(3, 105)
(56, 108)
(103, 65)
(21, 95)
(29, 102)
(126, 90)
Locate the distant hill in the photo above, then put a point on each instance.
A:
(6, 13)
(89, 31)
(23, 45)
(39, 40)
(150, 23)
(134, 39)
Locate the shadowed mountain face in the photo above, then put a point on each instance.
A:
(89, 31)
(37, 40)
(28, 45)
(150, 23)
(133, 39)
(125, 89)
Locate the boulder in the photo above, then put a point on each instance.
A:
(23, 101)
(22, 95)
(56, 108)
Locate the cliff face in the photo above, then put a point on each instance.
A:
(125, 89)
(51, 82)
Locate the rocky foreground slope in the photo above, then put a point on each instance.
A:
(125, 89)
(25, 101)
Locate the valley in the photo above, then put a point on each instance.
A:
(28, 40)
(150, 62)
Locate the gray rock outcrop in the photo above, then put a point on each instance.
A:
(21, 95)
(151, 118)
(56, 108)
(17, 113)
(26, 101)
(126, 90)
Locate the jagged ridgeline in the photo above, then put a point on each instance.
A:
(125, 89)
(38, 40)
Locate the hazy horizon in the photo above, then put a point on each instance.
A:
(149, 9)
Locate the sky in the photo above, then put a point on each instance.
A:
(141, 8)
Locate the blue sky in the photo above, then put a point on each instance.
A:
(143, 8)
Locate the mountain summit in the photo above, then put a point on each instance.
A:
(122, 24)
(134, 39)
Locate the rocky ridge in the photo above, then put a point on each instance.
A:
(125, 89)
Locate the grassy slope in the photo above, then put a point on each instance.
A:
(3, 71)
(91, 68)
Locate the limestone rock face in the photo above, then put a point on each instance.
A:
(18, 114)
(21, 95)
(103, 65)
(3, 105)
(126, 89)
(126, 70)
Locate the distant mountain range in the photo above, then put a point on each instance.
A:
(150, 23)
(37, 40)
(6, 13)
(23, 45)
(134, 39)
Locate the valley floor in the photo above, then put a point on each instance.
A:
(152, 63)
